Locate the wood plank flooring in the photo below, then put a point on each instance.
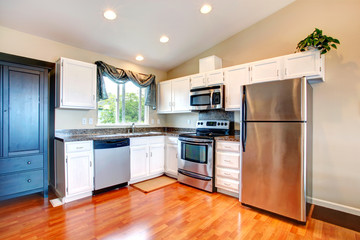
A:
(174, 212)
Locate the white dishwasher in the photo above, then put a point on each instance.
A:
(111, 164)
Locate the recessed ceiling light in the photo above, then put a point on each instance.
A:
(139, 58)
(205, 9)
(164, 39)
(110, 14)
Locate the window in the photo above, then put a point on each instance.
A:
(125, 105)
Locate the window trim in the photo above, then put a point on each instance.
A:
(117, 113)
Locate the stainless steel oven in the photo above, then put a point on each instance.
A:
(207, 98)
(196, 154)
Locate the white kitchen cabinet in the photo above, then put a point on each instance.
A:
(76, 84)
(74, 170)
(156, 160)
(309, 64)
(173, 96)
(139, 161)
(171, 156)
(266, 70)
(146, 158)
(227, 170)
(235, 77)
(207, 79)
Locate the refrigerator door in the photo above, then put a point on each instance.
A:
(276, 101)
(273, 168)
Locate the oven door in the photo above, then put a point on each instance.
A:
(196, 155)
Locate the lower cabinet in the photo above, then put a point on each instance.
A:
(146, 158)
(74, 174)
(227, 173)
(171, 155)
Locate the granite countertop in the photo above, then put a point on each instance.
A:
(109, 134)
(230, 138)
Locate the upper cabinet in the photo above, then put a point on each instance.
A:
(235, 77)
(309, 64)
(76, 84)
(173, 96)
(207, 79)
(266, 70)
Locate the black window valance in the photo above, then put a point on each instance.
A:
(121, 76)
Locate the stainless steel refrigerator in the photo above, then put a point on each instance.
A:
(276, 132)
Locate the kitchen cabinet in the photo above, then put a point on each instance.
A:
(76, 84)
(266, 70)
(171, 156)
(74, 174)
(24, 130)
(173, 96)
(227, 170)
(146, 158)
(309, 64)
(207, 79)
(235, 77)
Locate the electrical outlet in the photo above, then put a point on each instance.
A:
(83, 121)
(158, 121)
(152, 121)
(91, 121)
(189, 121)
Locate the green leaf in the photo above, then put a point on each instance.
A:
(336, 41)
(323, 51)
(334, 46)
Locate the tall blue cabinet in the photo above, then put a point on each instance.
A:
(24, 121)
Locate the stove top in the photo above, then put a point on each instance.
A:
(208, 129)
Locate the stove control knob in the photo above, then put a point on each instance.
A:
(225, 124)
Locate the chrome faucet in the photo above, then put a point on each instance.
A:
(133, 127)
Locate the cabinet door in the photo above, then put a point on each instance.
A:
(266, 70)
(164, 97)
(138, 161)
(23, 111)
(215, 77)
(180, 94)
(78, 84)
(156, 163)
(235, 77)
(79, 172)
(197, 80)
(171, 159)
(302, 64)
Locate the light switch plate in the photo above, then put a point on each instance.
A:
(158, 121)
(152, 121)
(83, 121)
(91, 121)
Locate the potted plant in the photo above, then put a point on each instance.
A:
(318, 41)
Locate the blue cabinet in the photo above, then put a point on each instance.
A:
(24, 135)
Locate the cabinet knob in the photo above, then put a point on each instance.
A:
(29, 180)
(28, 163)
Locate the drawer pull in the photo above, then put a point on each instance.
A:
(228, 174)
(227, 147)
(225, 160)
(29, 180)
(79, 147)
(227, 184)
(28, 163)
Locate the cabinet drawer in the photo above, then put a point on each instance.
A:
(228, 184)
(228, 146)
(9, 165)
(227, 173)
(20, 182)
(230, 160)
(78, 146)
(137, 141)
(172, 140)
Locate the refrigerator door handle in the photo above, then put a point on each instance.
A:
(244, 118)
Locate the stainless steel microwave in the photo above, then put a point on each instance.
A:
(207, 98)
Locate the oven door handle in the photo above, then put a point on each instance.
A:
(197, 143)
(192, 175)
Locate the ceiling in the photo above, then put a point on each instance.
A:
(138, 26)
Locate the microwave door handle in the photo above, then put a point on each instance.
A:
(211, 98)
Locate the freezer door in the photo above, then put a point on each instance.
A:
(273, 168)
(276, 101)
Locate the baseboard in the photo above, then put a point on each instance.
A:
(334, 206)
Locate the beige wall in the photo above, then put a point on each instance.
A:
(336, 102)
(22, 44)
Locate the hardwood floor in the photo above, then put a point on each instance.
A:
(173, 212)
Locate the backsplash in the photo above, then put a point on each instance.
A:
(219, 115)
